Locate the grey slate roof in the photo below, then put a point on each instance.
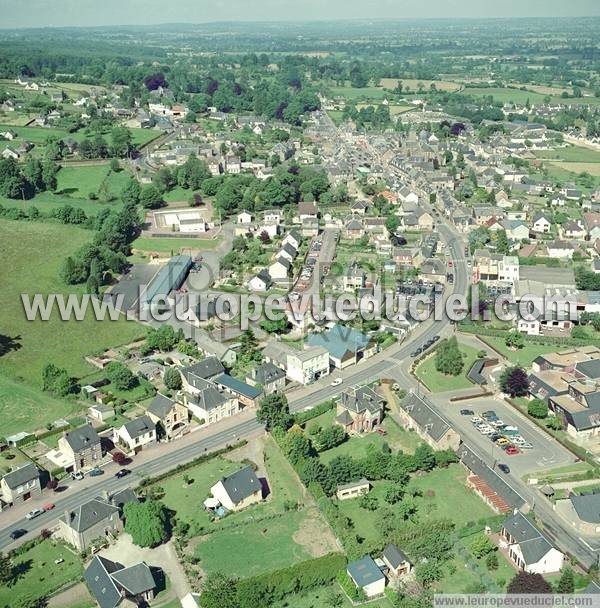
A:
(135, 579)
(208, 398)
(207, 368)
(394, 556)
(89, 514)
(425, 416)
(237, 386)
(590, 369)
(122, 497)
(139, 426)
(363, 398)
(364, 571)
(241, 484)
(21, 475)
(533, 544)
(82, 438)
(587, 507)
(266, 373)
(160, 406)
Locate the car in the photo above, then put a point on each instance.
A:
(76, 475)
(476, 419)
(466, 412)
(489, 413)
(381, 431)
(34, 513)
(494, 437)
(511, 450)
(122, 473)
(435, 338)
(504, 468)
(503, 441)
(95, 472)
(18, 533)
(48, 506)
(337, 382)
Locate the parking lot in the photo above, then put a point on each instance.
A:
(132, 283)
(544, 452)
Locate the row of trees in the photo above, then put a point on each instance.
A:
(25, 181)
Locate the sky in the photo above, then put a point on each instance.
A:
(45, 13)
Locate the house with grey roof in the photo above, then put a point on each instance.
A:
(207, 369)
(170, 417)
(396, 561)
(528, 547)
(421, 416)
(21, 484)
(81, 448)
(239, 490)
(583, 511)
(208, 404)
(245, 393)
(136, 434)
(268, 376)
(367, 575)
(94, 519)
(111, 583)
(359, 410)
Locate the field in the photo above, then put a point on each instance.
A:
(317, 598)
(39, 342)
(167, 244)
(572, 154)
(412, 84)
(437, 382)
(39, 574)
(523, 356)
(354, 94)
(591, 168)
(520, 97)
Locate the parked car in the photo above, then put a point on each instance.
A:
(503, 441)
(489, 414)
(18, 533)
(337, 382)
(34, 513)
(48, 506)
(466, 412)
(511, 450)
(122, 473)
(476, 419)
(95, 472)
(504, 468)
(381, 431)
(76, 475)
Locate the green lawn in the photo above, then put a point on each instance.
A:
(80, 181)
(316, 598)
(47, 201)
(166, 245)
(40, 575)
(437, 382)
(575, 154)
(25, 407)
(178, 194)
(505, 95)
(141, 137)
(353, 94)
(396, 437)
(523, 356)
(36, 251)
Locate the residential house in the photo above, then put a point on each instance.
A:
(293, 238)
(419, 415)
(111, 583)
(94, 519)
(208, 404)
(136, 434)
(268, 376)
(279, 270)
(572, 230)
(367, 576)
(541, 222)
(307, 210)
(528, 547)
(310, 227)
(354, 278)
(516, 230)
(354, 489)
(194, 375)
(303, 366)
(560, 249)
(345, 345)
(170, 417)
(81, 448)
(239, 490)
(354, 228)
(407, 257)
(359, 410)
(582, 511)
(20, 485)
(591, 222)
(261, 281)
(244, 217)
(396, 561)
(245, 393)
(433, 270)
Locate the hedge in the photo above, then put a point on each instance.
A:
(274, 586)
(303, 417)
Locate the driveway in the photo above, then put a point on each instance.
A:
(128, 554)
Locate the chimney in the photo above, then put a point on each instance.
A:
(67, 516)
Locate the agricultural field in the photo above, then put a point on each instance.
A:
(413, 85)
(48, 201)
(571, 154)
(40, 574)
(54, 341)
(437, 382)
(506, 95)
(81, 181)
(353, 94)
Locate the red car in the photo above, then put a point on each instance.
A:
(380, 431)
(511, 450)
(48, 506)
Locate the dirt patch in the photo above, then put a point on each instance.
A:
(70, 596)
(314, 535)
(254, 451)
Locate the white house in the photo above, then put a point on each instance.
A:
(280, 268)
(293, 238)
(239, 490)
(528, 548)
(560, 249)
(135, 434)
(303, 366)
(260, 282)
(244, 217)
(367, 575)
(541, 223)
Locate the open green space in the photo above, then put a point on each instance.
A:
(317, 598)
(36, 251)
(81, 181)
(574, 154)
(39, 575)
(396, 437)
(168, 244)
(354, 94)
(437, 382)
(48, 201)
(520, 97)
(522, 356)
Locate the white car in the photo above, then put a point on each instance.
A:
(34, 513)
(337, 382)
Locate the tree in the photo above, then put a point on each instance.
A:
(514, 339)
(448, 358)
(131, 192)
(482, 546)
(147, 523)
(56, 380)
(121, 142)
(172, 379)
(219, 591)
(274, 412)
(393, 493)
(278, 326)
(330, 437)
(491, 561)
(120, 376)
(6, 569)
(514, 381)
(566, 583)
(524, 582)
(502, 246)
(296, 445)
(537, 408)
(368, 502)
(392, 223)
(424, 457)
(150, 197)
